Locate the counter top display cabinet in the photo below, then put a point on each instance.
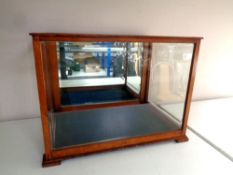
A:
(103, 92)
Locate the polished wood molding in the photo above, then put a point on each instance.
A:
(116, 144)
(98, 105)
(41, 84)
(50, 162)
(112, 38)
(182, 138)
(191, 80)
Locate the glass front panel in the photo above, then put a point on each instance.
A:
(170, 67)
(103, 72)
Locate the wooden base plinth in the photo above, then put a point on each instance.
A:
(49, 163)
(55, 162)
(181, 139)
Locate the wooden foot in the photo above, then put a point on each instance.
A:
(49, 163)
(182, 139)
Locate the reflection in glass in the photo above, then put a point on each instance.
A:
(170, 67)
(134, 66)
(95, 72)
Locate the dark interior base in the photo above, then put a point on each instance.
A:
(100, 125)
(95, 96)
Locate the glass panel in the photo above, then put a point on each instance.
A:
(134, 66)
(94, 72)
(170, 66)
(84, 60)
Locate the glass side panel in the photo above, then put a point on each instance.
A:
(170, 67)
(134, 66)
(95, 72)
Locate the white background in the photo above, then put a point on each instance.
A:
(212, 19)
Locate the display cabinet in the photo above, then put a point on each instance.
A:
(103, 92)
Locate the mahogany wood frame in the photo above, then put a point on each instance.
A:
(54, 157)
